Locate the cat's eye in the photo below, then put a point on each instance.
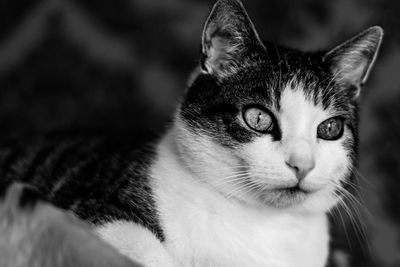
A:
(258, 119)
(331, 129)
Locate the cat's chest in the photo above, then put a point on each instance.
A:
(198, 238)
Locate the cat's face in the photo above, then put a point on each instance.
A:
(269, 125)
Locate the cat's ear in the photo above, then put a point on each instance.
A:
(228, 35)
(351, 62)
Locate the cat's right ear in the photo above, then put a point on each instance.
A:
(352, 61)
(228, 35)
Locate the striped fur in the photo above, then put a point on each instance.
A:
(99, 179)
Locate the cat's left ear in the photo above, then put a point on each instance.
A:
(351, 62)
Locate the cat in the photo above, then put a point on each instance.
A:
(262, 147)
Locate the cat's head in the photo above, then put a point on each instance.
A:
(269, 125)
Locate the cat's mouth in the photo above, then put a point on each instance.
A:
(293, 190)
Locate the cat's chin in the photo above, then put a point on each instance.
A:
(284, 197)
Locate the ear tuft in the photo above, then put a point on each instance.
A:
(352, 61)
(227, 35)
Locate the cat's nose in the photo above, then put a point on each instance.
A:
(301, 165)
(301, 160)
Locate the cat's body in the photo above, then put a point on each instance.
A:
(102, 180)
(261, 148)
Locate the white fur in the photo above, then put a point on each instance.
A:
(203, 228)
(136, 242)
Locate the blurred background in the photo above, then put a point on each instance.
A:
(121, 66)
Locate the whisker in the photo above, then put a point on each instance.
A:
(354, 215)
(344, 225)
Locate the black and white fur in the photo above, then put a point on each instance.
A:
(212, 191)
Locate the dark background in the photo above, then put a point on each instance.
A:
(121, 66)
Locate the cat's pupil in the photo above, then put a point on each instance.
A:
(259, 118)
(330, 127)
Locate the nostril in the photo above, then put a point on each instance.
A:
(292, 166)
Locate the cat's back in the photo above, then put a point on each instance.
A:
(100, 179)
